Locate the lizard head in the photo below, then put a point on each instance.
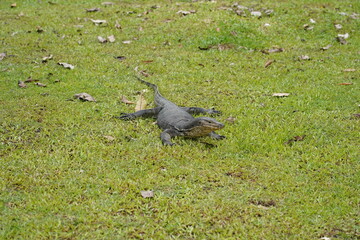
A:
(202, 126)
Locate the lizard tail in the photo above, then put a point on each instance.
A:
(153, 86)
(158, 97)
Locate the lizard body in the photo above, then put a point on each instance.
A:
(177, 121)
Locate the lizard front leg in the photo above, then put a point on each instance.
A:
(142, 113)
(166, 136)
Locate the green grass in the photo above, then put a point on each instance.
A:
(61, 178)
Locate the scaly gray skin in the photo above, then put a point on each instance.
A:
(177, 121)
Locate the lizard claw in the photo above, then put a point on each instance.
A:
(212, 111)
(216, 136)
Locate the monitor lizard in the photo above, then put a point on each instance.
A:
(177, 121)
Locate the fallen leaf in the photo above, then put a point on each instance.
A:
(272, 50)
(326, 47)
(255, 13)
(101, 39)
(109, 138)
(120, 58)
(308, 27)
(125, 100)
(84, 97)
(349, 70)
(111, 38)
(325, 238)
(66, 65)
(295, 139)
(40, 84)
(338, 26)
(29, 79)
(204, 48)
(141, 102)
(21, 84)
(268, 12)
(147, 194)
(230, 119)
(344, 36)
(144, 73)
(98, 22)
(107, 3)
(92, 10)
(13, 5)
(39, 29)
(345, 84)
(280, 94)
(184, 13)
(268, 63)
(270, 203)
(45, 59)
(147, 61)
(2, 56)
(304, 57)
(341, 40)
(117, 25)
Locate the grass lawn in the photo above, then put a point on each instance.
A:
(288, 169)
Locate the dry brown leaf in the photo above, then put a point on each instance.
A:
(338, 26)
(272, 50)
(120, 58)
(98, 22)
(345, 84)
(107, 3)
(141, 102)
(47, 58)
(268, 63)
(308, 27)
(147, 194)
(125, 100)
(29, 79)
(326, 47)
(109, 138)
(101, 39)
(21, 84)
(280, 94)
(117, 25)
(40, 84)
(92, 9)
(111, 38)
(144, 73)
(295, 139)
(66, 65)
(255, 13)
(349, 70)
(230, 119)
(84, 97)
(184, 13)
(304, 57)
(2, 56)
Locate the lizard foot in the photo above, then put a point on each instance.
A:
(216, 136)
(212, 111)
(126, 116)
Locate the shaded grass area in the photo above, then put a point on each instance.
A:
(62, 178)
